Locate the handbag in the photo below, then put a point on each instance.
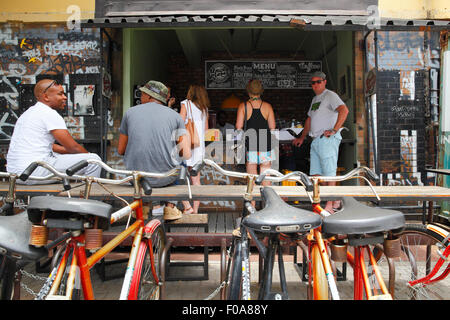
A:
(190, 127)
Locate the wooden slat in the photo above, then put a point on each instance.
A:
(229, 225)
(212, 220)
(220, 226)
(235, 192)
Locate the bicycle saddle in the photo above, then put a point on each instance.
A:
(15, 236)
(277, 216)
(357, 218)
(66, 208)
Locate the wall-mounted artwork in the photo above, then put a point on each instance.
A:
(83, 100)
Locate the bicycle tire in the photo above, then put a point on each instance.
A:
(7, 274)
(234, 291)
(414, 240)
(146, 275)
(320, 283)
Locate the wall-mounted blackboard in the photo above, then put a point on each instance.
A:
(273, 74)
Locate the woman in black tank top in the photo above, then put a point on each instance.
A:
(260, 120)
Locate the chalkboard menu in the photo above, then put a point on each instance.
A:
(273, 74)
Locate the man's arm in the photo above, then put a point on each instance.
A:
(184, 146)
(299, 141)
(67, 143)
(123, 142)
(342, 116)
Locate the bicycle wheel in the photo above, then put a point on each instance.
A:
(7, 273)
(146, 275)
(320, 283)
(419, 256)
(235, 281)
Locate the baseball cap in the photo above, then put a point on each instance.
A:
(156, 90)
(318, 74)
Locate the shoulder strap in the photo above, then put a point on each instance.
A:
(245, 116)
(190, 109)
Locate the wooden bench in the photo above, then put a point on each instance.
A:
(192, 224)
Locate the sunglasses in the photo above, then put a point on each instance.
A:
(317, 81)
(54, 82)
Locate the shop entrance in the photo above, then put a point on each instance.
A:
(179, 57)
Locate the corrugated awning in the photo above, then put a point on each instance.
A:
(307, 22)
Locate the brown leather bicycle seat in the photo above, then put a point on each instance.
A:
(357, 218)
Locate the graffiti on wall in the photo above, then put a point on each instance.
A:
(27, 54)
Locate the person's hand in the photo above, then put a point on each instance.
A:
(329, 133)
(298, 141)
(171, 102)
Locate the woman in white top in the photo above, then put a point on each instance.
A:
(196, 107)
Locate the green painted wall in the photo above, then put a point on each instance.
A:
(345, 73)
(143, 60)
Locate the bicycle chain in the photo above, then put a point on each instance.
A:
(44, 289)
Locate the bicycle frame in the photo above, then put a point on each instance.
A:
(443, 257)
(361, 278)
(76, 243)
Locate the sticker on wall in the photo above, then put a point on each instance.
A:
(407, 85)
(75, 126)
(83, 100)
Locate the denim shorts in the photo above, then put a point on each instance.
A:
(324, 155)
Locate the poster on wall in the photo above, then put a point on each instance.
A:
(273, 74)
(83, 100)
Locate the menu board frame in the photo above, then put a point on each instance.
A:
(274, 74)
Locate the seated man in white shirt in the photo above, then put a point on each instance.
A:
(35, 134)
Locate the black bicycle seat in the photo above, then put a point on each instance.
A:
(15, 236)
(277, 216)
(66, 208)
(357, 218)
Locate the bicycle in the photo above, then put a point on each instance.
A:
(15, 253)
(84, 220)
(425, 249)
(276, 218)
(356, 225)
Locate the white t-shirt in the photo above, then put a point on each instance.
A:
(32, 139)
(323, 112)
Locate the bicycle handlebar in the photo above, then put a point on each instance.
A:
(56, 174)
(353, 174)
(349, 175)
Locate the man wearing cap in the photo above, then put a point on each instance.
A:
(40, 134)
(326, 116)
(153, 138)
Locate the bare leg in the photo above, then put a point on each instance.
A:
(263, 167)
(329, 205)
(196, 182)
(252, 168)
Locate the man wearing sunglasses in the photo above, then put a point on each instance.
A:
(326, 116)
(40, 134)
